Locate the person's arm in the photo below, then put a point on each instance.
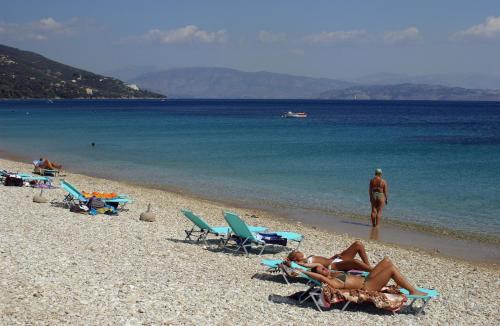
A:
(308, 265)
(386, 193)
(321, 278)
(335, 256)
(370, 190)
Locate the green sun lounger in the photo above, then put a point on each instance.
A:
(76, 195)
(203, 229)
(244, 238)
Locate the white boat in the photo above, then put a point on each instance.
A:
(291, 114)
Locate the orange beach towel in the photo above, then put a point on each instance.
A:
(99, 194)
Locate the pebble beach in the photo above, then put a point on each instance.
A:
(59, 267)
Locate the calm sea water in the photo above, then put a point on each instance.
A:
(441, 159)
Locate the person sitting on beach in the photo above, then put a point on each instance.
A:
(380, 275)
(378, 197)
(44, 163)
(343, 261)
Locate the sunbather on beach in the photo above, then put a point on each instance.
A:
(46, 164)
(343, 261)
(380, 275)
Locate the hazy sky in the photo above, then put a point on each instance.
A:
(336, 39)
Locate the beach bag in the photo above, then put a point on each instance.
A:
(78, 208)
(95, 202)
(13, 181)
(273, 238)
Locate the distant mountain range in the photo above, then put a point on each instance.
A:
(26, 74)
(465, 80)
(230, 83)
(411, 92)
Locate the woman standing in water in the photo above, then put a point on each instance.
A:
(378, 196)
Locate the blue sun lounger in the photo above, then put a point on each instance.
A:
(315, 289)
(245, 238)
(431, 294)
(274, 266)
(26, 177)
(203, 229)
(42, 171)
(75, 195)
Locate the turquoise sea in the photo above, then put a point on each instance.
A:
(441, 159)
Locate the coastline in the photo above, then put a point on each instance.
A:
(455, 245)
(63, 267)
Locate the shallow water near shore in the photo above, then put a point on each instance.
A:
(441, 159)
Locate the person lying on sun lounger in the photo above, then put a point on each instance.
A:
(378, 278)
(44, 163)
(343, 261)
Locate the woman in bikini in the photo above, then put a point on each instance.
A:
(380, 275)
(378, 197)
(343, 261)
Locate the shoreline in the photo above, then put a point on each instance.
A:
(253, 99)
(468, 250)
(60, 267)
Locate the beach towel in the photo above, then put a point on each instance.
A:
(96, 194)
(389, 298)
(272, 238)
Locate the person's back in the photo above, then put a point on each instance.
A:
(377, 184)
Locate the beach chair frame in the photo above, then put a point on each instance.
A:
(26, 177)
(42, 171)
(202, 228)
(241, 235)
(425, 300)
(244, 237)
(315, 289)
(75, 195)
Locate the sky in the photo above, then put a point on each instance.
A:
(318, 38)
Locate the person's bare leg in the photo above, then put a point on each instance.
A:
(373, 215)
(378, 205)
(356, 248)
(347, 265)
(50, 165)
(374, 234)
(45, 164)
(379, 211)
(383, 273)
